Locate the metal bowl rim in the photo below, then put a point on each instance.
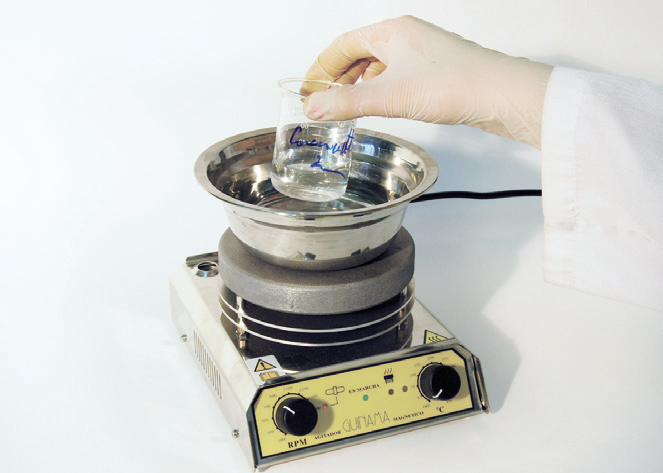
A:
(206, 157)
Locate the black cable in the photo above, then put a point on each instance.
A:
(479, 195)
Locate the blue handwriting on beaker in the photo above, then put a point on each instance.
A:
(333, 149)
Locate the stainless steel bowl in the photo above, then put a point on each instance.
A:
(386, 174)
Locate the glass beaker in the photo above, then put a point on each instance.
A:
(311, 158)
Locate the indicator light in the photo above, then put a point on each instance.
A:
(365, 397)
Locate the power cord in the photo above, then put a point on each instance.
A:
(479, 195)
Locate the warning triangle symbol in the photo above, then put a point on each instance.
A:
(432, 337)
(264, 366)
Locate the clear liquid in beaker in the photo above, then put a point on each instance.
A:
(314, 162)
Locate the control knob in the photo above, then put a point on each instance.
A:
(439, 382)
(295, 415)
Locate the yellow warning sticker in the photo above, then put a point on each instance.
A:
(264, 376)
(262, 365)
(264, 368)
(432, 337)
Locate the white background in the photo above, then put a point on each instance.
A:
(104, 108)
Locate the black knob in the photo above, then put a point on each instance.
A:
(439, 382)
(296, 415)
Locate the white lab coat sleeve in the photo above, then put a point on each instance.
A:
(602, 181)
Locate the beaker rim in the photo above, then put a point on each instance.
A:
(283, 84)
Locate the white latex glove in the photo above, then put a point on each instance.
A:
(413, 69)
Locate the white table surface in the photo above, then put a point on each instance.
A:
(103, 110)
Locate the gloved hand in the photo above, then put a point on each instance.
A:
(413, 69)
